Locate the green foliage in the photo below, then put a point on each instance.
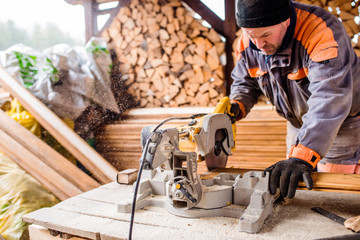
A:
(97, 49)
(38, 38)
(52, 71)
(28, 70)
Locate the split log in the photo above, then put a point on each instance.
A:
(174, 46)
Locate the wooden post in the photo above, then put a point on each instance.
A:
(91, 27)
(230, 29)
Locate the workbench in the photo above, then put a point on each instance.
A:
(94, 215)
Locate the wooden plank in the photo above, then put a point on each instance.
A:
(37, 232)
(53, 181)
(322, 181)
(127, 176)
(46, 154)
(92, 227)
(69, 222)
(93, 161)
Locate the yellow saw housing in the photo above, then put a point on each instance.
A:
(187, 133)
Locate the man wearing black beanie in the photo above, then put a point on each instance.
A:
(301, 58)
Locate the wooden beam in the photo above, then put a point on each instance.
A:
(92, 160)
(113, 12)
(46, 154)
(91, 27)
(207, 15)
(75, 2)
(48, 177)
(92, 11)
(230, 29)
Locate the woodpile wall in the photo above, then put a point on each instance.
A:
(168, 58)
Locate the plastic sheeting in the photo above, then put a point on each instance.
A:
(19, 195)
(65, 78)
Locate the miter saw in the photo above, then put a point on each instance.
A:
(168, 167)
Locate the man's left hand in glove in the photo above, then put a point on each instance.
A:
(286, 174)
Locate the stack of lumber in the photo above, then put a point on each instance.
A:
(260, 138)
(167, 57)
(38, 159)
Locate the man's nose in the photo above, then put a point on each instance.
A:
(259, 43)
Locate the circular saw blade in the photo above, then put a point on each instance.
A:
(217, 158)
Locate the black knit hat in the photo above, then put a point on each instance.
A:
(262, 13)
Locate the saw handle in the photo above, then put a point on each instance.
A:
(223, 106)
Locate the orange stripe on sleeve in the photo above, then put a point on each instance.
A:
(306, 154)
(315, 36)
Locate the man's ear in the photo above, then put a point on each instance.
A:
(286, 22)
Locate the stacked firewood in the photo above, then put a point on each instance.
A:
(346, 10)
(167, 57)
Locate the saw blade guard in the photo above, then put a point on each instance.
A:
(206, 138)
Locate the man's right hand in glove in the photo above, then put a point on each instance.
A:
(286, 174)
(236, 110)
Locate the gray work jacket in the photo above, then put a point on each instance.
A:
(313, 80)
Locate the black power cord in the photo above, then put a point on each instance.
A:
(142, 163)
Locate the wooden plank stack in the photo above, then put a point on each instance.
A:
(167, 57)
(260, 138)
